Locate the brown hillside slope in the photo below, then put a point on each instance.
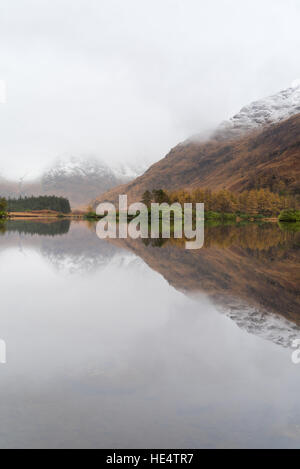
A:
(266, 158)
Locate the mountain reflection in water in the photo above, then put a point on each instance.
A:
(250, 272)
(128, 344)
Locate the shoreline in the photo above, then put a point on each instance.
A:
(43, 216)
(54, 216)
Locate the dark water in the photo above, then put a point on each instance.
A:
(125, 343)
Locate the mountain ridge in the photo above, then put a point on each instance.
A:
(260, 113)
(257, 148)
(268, 158)
(78, 179)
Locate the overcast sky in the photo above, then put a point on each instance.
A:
(126, 80)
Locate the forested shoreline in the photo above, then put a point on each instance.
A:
(25, 204)
(255, 202)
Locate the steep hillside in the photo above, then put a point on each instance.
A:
(268, 157)
(258, 147)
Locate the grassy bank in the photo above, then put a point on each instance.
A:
(43, 214)
(289, 216)
(208, 215)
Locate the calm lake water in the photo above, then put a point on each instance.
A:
(142, 344)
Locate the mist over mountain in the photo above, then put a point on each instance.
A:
(270, 110)
(78, 179)
(257, 148)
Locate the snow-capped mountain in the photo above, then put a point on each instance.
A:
(81, 166)
(81, 179)
(77, 167)
(271, 110)
(233, 157)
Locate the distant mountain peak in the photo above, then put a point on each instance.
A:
(77, 166)
(90, 166)
(270, 110)
(79, 178)
(82, 178)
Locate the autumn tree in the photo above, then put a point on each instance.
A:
(261, 201)
(252, 205)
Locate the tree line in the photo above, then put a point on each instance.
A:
(253, 202)
(52, 202)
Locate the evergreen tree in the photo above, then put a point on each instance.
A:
(160, 196)
(3, 204)
(147, 198)
(23, 204)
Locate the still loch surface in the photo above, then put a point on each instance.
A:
(142, 344)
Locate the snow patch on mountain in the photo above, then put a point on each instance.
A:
(273, 109)
(81, 179)
(89, 167)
